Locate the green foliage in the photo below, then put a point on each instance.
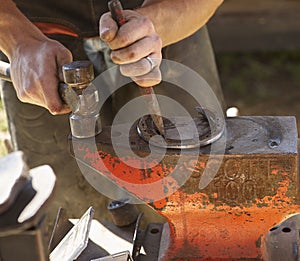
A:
(253, 77)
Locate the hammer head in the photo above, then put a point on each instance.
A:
(84, 120)
(78, 74)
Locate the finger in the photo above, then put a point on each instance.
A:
(63, 110)
(46, 87)
(141, 67)
(53, 101)
(63, 57)
(136, 27)
(150, 79)
(108, 28)
(138, 50)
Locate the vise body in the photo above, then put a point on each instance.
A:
(230, 217)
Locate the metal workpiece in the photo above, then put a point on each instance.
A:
(180, 133)
(255, 186)
(85, 120)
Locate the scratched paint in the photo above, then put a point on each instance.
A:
(229, 218)
(206, 230)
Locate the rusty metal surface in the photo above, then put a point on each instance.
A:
(254, 189)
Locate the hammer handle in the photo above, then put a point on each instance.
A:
(5, 71)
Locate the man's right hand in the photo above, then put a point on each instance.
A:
(36, 71)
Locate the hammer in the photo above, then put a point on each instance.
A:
(78, 93)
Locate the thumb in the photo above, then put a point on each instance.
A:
(108, 28)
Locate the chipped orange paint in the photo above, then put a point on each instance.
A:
(204, 231)
(120, 170)
(204, 226)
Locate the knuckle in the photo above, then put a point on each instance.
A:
(148, 24)
(157, 40)
(145, 82)
(124, 38)
(132, 54)
(124, 70)
(148, 80)
(115, 58)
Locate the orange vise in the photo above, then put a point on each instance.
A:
(229, 207)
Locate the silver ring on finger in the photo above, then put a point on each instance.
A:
(149, 59)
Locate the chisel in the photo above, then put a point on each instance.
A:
(115, 8)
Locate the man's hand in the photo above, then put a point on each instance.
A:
(131, 44)
(36, 71)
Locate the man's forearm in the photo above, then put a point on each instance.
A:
(15, 28)
(175, 20)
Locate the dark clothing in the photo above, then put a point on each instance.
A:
(43, 137)
(82, 16)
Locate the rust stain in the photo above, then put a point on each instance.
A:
(225, 232)
(225, 221)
